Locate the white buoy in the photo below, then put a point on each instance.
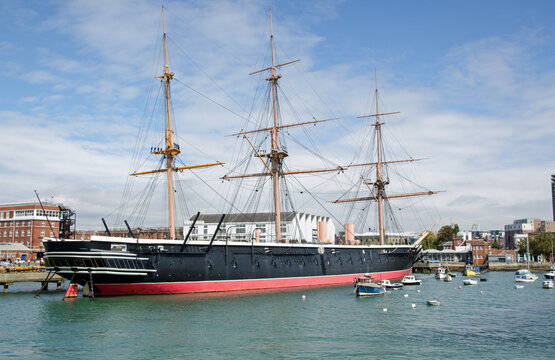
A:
(384, 309)
(406, 295)
(481, 292)
(413, 306)
(418, 291)
(304, 297)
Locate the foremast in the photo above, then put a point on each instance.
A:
(377, 188)
(171, 149)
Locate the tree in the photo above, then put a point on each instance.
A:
(539, 245)
(430, 242)
(446, 233)
(496, 245)
(456, 228)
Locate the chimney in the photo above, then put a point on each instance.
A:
(323, 231)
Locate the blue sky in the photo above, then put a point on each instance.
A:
(474, 81)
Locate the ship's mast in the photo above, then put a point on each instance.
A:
(379, 181)
(378, 194)
(170, 151)
(276, 155)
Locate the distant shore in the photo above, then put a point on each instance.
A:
(426, 268)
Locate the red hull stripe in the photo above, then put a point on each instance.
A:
(236, 285)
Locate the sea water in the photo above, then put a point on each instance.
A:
(491, 320)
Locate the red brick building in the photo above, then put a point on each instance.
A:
(27, 224)
(480, 251)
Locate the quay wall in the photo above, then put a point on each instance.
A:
(430, 268)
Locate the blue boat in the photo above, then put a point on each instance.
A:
(366, 286)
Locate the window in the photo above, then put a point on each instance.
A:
(240, 229)
(17, 233)
(28, 232)
(51, 234)
(11, 233)
(42, 233)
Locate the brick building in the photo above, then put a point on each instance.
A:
(480, 251)
(27, 224)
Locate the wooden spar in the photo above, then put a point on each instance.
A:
(179, 168)
(258, 154)
(45, 214)
(385, 162)
(375, 198)
(293, 172)
(282, 126)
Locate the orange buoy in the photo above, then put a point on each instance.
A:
(71, 291)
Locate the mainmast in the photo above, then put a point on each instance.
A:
(171, 149)
(378, 190)
(276, 155)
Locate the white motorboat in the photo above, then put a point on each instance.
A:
(441, 273)
(517, 286)
(524, 275)
(411, 280)
(547, 284)
(550, 274)
(470, 282)
(434, 302)
(389, 286)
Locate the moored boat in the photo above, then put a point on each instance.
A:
(433, 302)
(470, 282)
(547, 284)
(410, 280)
(524, 275)
(441, 272)
(390, 286)
(366, 286)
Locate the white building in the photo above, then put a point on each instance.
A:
(295, 227)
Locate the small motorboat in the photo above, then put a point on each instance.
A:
(470, 282)
(433, 302)
(518, 286)
(410, 280)
(550, 274)
(389, 286)
(366, 286)
(441, 272)
(547, 284)
(524, 275)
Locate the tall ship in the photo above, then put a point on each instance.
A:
(187, 262)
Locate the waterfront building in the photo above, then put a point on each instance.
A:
(14, 251)
(27, 224)
(146, 233)
(515, 231)
(392, 238)
(501, 255)
(480, 251)
(518, 227)
(295, 227)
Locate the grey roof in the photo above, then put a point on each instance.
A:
(247, 218)
(13, 247)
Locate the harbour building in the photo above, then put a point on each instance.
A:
(296, 227)
(27, 224)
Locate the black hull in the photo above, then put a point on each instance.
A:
(197, 265)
